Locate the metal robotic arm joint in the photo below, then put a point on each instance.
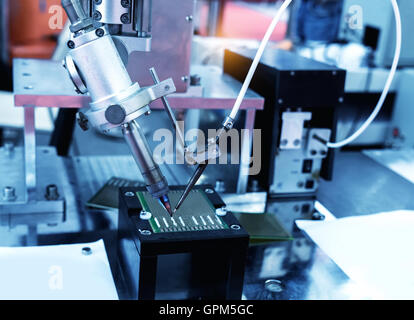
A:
(95, 66)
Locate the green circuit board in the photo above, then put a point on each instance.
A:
(197, 213)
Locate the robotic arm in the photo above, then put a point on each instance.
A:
(103, 31)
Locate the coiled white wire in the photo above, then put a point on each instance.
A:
(384, 94)
(387, 87)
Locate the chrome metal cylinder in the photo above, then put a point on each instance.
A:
(156, 183)
(101, 68)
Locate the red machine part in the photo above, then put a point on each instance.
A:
(243, 22)
(34, 26)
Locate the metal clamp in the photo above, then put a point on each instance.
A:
(70, 66)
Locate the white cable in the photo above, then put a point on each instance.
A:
(257, 58)
(384, 94)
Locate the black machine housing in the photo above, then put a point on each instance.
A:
(288, 81)
(207, 264)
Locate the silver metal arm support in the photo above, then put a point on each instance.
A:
(170, 113)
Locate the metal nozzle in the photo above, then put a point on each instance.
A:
(196, 176)
(166, 204)
(156, 183)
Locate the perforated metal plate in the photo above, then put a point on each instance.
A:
(196, 214)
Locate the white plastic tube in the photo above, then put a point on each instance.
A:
(257, 58)
(384, 94)
(387, 87)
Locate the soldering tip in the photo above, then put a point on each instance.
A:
(165, 202)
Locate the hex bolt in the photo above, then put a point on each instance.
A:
(86, 251)
(52, 192)
(9, 194)
(71, 44)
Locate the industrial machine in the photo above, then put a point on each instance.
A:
(175, 241)
(197, 254)
(104, 34)
(301, 96)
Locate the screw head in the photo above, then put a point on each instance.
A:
(125, 3)
(221, 212)
(235, 227)
(125, 18)
(71, 44)
(100, 32)
(189, 18)
(97, 16)
(86, 251)
(209, 191)
(129, 194)
(145, 215)
(145, 232)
